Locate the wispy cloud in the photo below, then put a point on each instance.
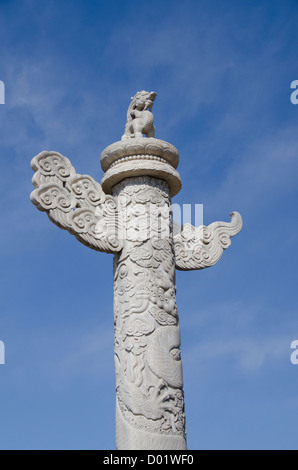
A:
(61, 358)
(230, 333)
(264, 173)
(248, 355)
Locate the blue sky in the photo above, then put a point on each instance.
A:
(222, 71)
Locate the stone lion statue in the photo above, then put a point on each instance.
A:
(139, 116)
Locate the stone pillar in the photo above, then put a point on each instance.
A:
(149, 384)
(129, 216)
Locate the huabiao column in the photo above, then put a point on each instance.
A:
(141, 173)
(129, 215)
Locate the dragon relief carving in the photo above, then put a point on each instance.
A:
(149, 392)
(152, 403)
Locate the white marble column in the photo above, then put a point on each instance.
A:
(129, 216)
(149, 395)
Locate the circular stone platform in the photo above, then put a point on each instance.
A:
(140, 157)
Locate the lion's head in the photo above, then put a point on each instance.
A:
(143, 100)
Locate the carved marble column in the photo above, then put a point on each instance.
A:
(129, 216)
(149, 383)
(149, 403)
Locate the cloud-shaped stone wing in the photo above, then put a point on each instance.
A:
(201, 247)
(75, 202)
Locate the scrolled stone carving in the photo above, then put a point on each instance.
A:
(202, 247)
(51, 196)
(75, 202)
(49, 166)
(86, 188)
